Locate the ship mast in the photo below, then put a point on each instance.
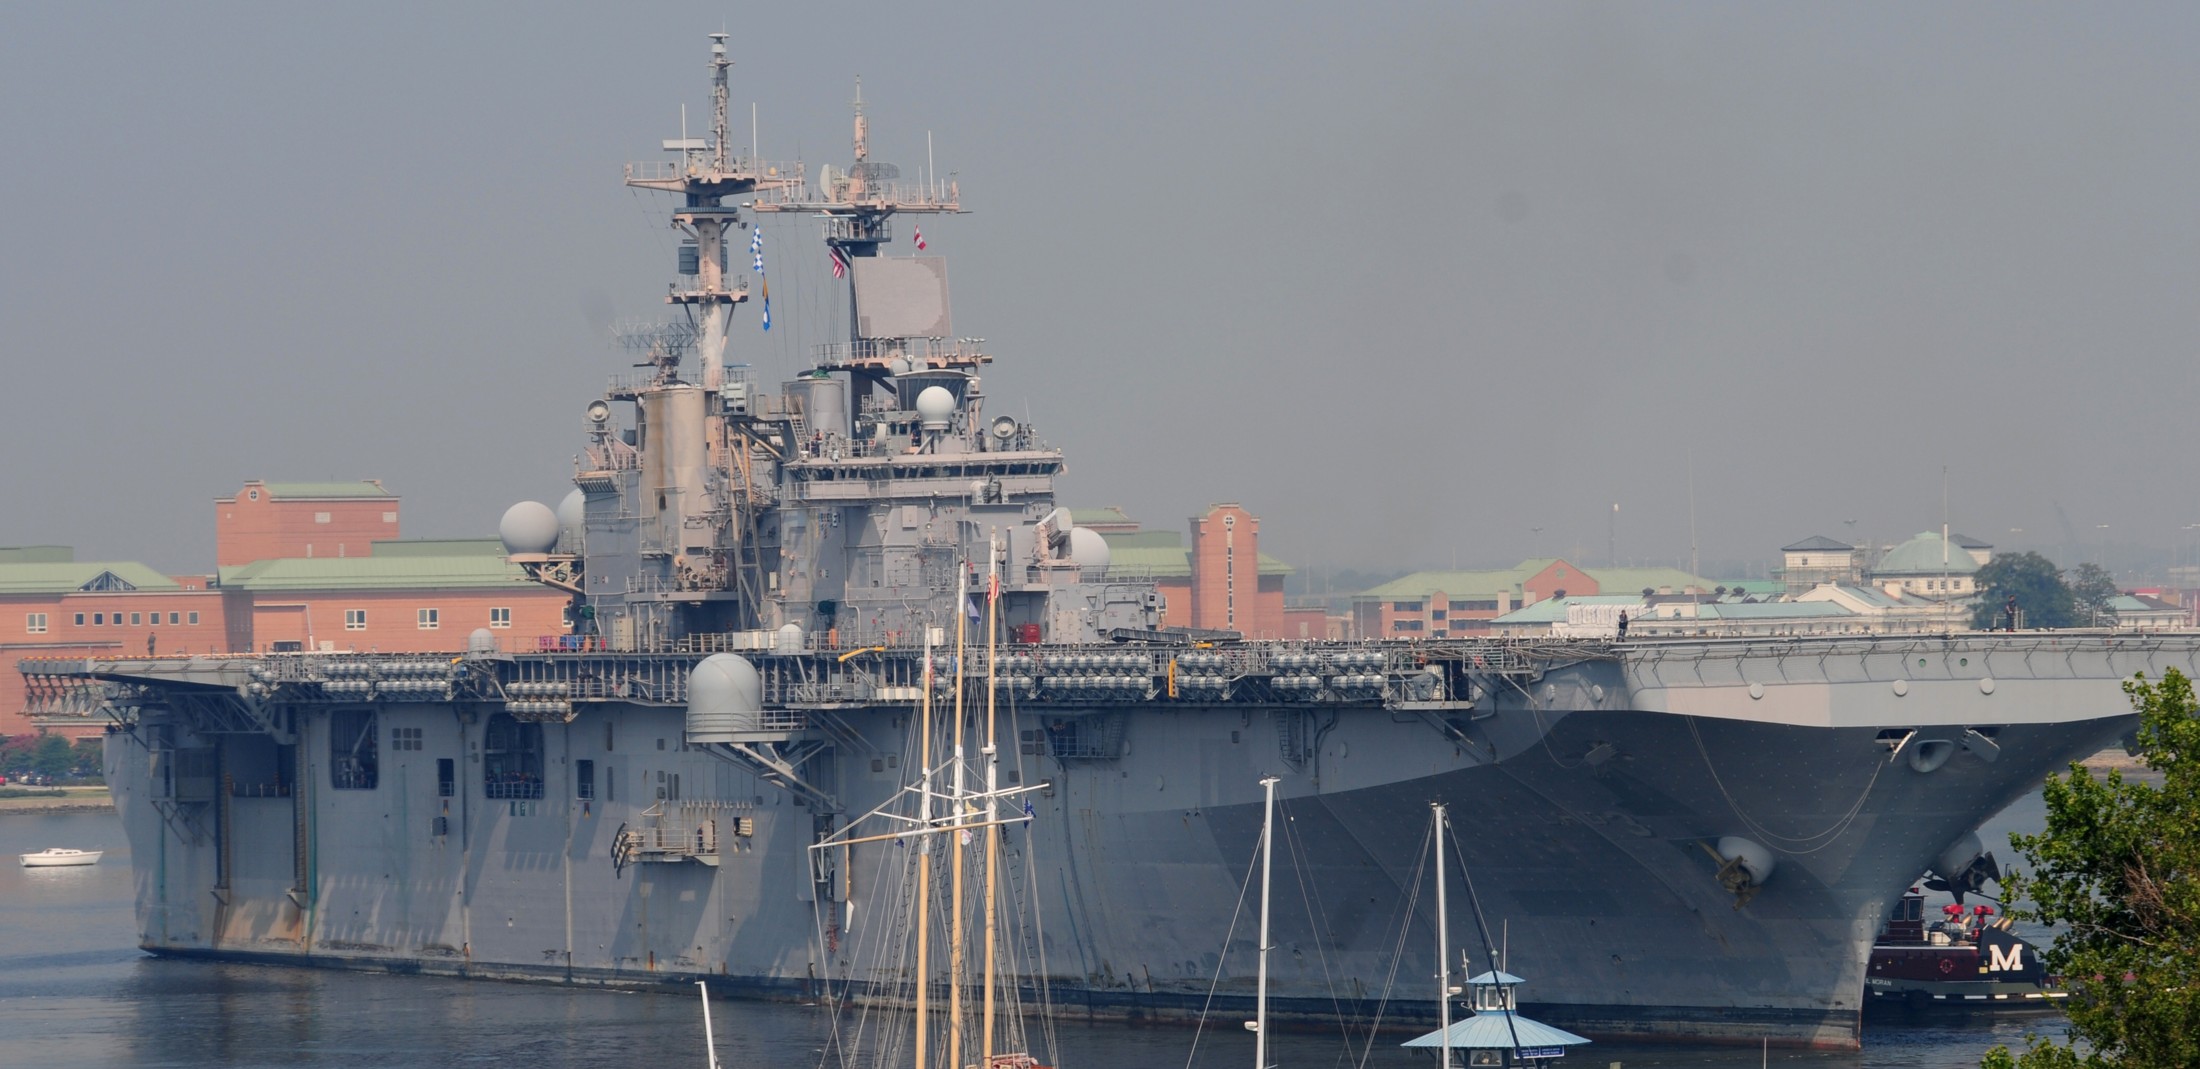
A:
(858, 206)
(707, 173)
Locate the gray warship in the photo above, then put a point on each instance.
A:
(1687, 838)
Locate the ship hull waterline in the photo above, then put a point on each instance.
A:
(1594, 869)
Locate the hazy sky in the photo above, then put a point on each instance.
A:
(1410, 282)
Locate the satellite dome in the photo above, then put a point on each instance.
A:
(935, 406)
(528, 527)
(725, 696)
(899, 365)
(1087, 548)
(482, 640)
(788, 639)
(573, 511)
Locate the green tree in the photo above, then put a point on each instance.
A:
(2034, 581)
(52, 758)
(86, 758)
(2119, 869)
(2091, 589)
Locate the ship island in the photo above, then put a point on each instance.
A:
(1687, 837)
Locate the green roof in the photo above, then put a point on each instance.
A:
(361, 488)
(64, 577)
(374, 573)
(36, 554)
(1110, 514)
(1632, 580)
(1457, 584)
(438, 547)
(1143, 539)
(1161, 562)
(1163, 555)
(1510, 580)
(1552, 610)
(1926, 554)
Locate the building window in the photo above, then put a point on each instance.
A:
(446, 777)
(500, 617)
(353, 763)
(584, 780)
(389, 517)
(194, 618)
(406, 738)
(1405, 606)
(1405, 625)
(1436, 614)
(35, 623)
(355, 619)
(320, 517)
(175, 618)
(430, 619)
(133, 619)
(98, 619)
(79, 619)
(511, 758)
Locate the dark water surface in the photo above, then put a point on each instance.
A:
(75, 992)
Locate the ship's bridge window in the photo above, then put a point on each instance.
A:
(353, 756)
(511, 758)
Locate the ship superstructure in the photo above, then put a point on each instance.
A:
(1691, 838)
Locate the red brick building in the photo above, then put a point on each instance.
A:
(303, 567)
(1220, 581)
(266, 520)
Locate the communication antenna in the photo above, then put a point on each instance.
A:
(661, 345)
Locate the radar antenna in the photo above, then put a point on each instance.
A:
(705, 173)
(658, 345)
(858, 206)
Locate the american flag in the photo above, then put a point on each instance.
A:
(840, 260)
(920, 238)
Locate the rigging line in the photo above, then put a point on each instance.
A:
(1244, 886)
(1316, 917)
(1481, 924)
(1831, 834)
(1398, 950)
(1038, 911)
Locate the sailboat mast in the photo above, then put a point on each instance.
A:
(924, 865)
(1443, 937)
(710, 1045)
(1267, 868)
(954, 843)
(992, 776)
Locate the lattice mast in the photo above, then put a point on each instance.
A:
(706, 173)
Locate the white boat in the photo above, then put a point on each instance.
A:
(57, 856)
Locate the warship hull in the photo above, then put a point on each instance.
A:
(1589, 799)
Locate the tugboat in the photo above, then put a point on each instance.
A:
(1969, 959)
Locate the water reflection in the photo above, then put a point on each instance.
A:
(75, 992)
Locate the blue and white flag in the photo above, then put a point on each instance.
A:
(756, 250)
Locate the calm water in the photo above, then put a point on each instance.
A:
(75, 992)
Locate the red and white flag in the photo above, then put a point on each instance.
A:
(920, 238)
(840, 260)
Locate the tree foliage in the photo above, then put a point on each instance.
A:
(2091, 589)
(2118, 868)
(2034, 581)
(52, 757)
